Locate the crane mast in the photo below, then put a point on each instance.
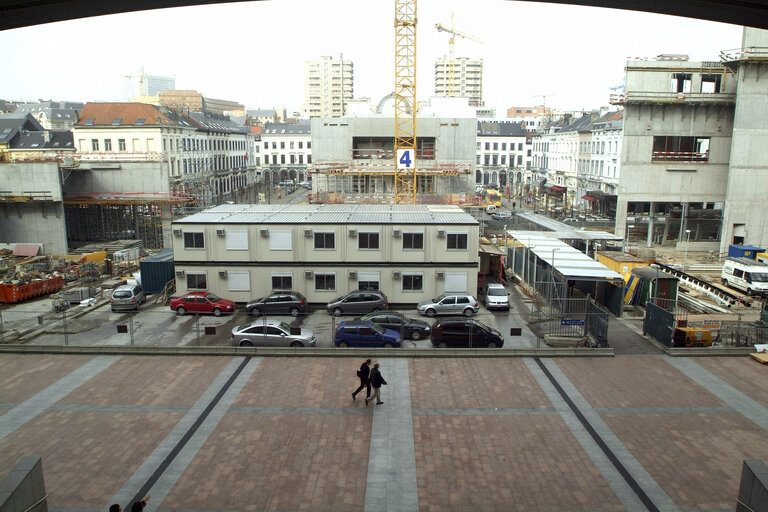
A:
(405, 101)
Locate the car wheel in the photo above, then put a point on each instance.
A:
(492, 344)
(254, 311)
(415, 335)
(387, 345)
(725, 281)
(297, 344)
(337, 312)
(343, 344)
(430, 313)
(294, 312)
(442, 344)
(216, 312)
(469, 312)
(181, 311)
(749, 292)
(246, 343)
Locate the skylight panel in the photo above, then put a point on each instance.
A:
(140, 121)
(89, 122)
(117, 121)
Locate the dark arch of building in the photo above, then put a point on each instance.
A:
(22, 13)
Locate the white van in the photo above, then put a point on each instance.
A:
(745, 274)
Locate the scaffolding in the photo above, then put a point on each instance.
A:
(111, 216)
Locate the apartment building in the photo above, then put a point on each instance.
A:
(467, 79)
(286, 150)
(410, 252)
(328, 86)
(142, 84)
(503, 153)
(599, 164)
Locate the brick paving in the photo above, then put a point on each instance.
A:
(486, 435)
(635, 381)
(21, 376)
(278, 462)
(504, 463)
(87, 455)
(745, 374)
(696, 458)
(154, 380)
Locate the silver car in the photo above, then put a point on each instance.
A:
(449, 304)
(127, 297)
(496, 296)
(272, 333)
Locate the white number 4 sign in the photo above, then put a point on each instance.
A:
(405, 159)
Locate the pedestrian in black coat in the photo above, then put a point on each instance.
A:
(365, 382)
(377, 380)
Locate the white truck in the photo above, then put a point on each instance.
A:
(747, 275)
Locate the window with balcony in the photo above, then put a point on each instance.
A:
(680, 149)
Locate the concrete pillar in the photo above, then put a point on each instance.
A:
(649, 238)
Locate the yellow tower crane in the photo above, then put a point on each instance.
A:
(451, 55)
(405, 101)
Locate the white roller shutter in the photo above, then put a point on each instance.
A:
(455, 281)
(239, 280)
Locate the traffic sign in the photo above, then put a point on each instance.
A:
(571, 321)
(405, 159)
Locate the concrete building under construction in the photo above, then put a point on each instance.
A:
(353, 159)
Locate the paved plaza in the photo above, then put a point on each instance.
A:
(634, 432)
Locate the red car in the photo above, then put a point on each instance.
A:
(201, 302)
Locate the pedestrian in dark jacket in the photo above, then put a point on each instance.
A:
(365, 381)
(376, 382)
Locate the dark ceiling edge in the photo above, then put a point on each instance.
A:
(23, 13)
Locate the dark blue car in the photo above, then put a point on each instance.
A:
(355, 333)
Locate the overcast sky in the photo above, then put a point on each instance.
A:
(254, 52)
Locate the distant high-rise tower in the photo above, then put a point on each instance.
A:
(142, 84)
(329, 85)
(467, 79)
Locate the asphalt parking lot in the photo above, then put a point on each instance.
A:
(157, 325)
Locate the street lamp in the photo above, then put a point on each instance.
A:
(687, 243)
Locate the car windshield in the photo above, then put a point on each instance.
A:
(497, 291)
(438, 298)
(121, 294)
(759, 277)
(379, 329)
(213, 297)
(284, 326)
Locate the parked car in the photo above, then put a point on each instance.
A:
(127, 297)
(358, 301)
(501, 214)
(201, 302)
(408, 327)
(571, 220)
(305, 184)
(357, 333)
(464, 332)
(272, 333)
(449, 304)
(280, 303)
(495, 296)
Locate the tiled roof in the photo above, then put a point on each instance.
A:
(106, 114)
(287, 128)
(500, 129)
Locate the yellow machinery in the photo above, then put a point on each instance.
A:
(692, 337)
(405, 101)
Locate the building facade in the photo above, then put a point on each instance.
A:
(503, 154)
(354, 160)
(323, 251)
(676, 152)
(328, 86)
(286, 152)
(53, 115)
(467, 79)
